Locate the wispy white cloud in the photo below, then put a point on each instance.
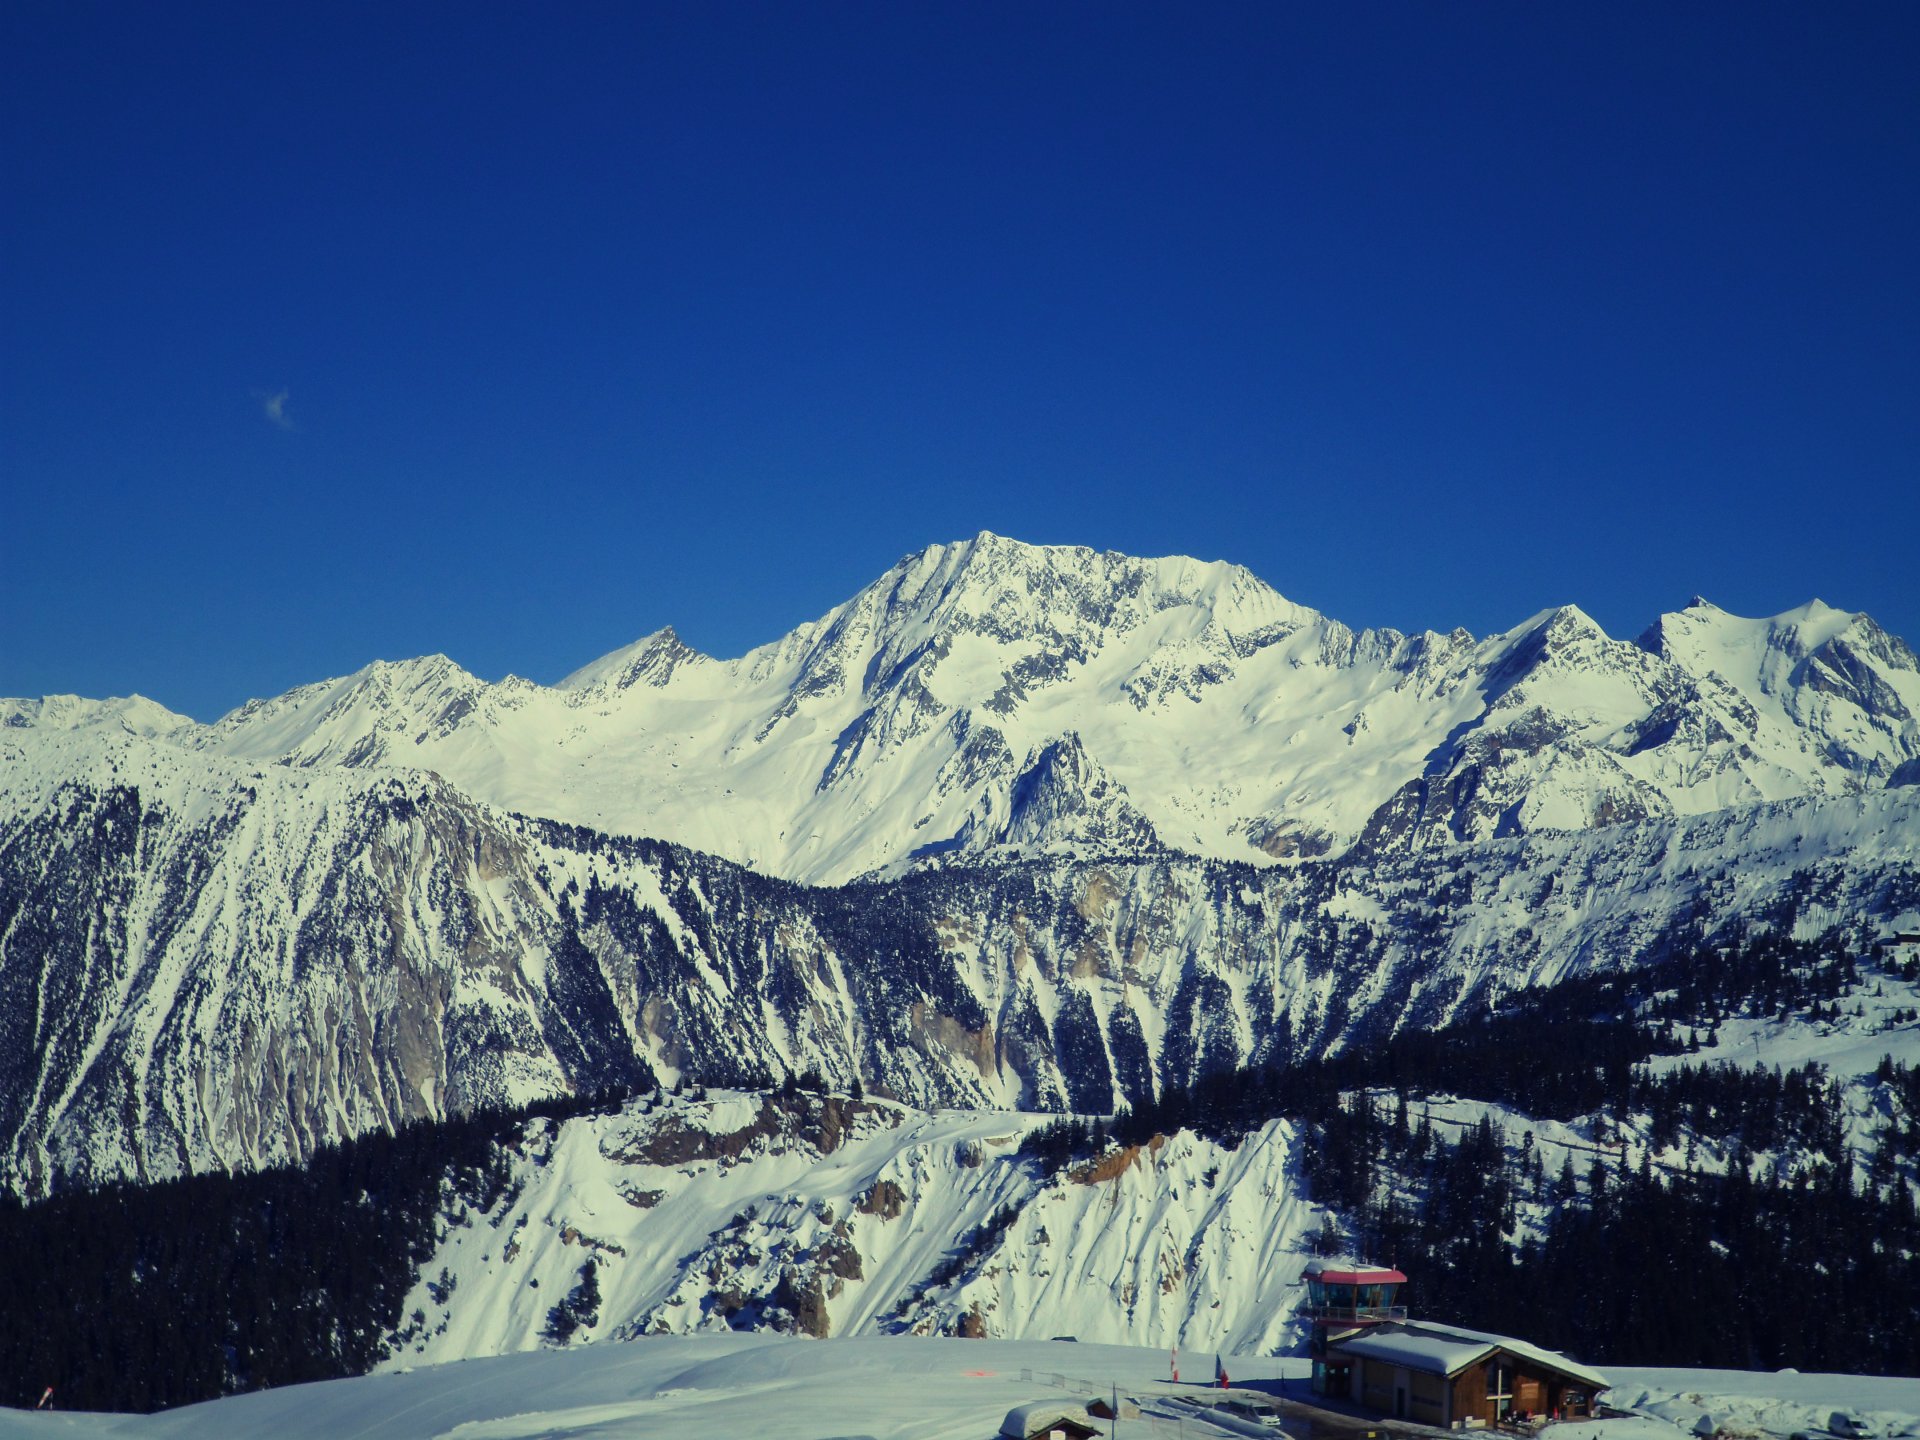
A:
(274, 407)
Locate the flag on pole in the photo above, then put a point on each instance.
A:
(1175, 1353)
(1219, 1371)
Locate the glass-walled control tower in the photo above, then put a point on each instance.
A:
(1343, 1298)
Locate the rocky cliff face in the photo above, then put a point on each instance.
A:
(204, 963)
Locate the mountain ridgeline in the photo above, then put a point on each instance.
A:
(989, 695)
(1015, 826)
(203, 982)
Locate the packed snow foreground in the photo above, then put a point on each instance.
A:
(899, 1388)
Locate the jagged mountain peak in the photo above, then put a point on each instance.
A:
(1778, 654)
(989, 621)
(1060, 801)
(986, 584)
(414, 674)
(652, 659)
(1212, 715)
(1561, 623)
(1060, 586)
(1551, 645)
(375, 716)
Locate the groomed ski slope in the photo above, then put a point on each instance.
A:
(887, 1389)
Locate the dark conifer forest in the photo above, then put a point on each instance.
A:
(1784, 1254)
(140, 1297)
(1788, 1260)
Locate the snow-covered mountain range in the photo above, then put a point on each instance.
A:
(1127, 821)
(991, 693)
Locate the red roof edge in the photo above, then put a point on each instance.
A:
(1358, 1277)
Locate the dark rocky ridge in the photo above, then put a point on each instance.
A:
(299, 961)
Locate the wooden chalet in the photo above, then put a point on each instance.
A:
(1365, 1350)
(1445, 1376)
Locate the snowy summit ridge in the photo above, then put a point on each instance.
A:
(1196, 708)
(407, 892)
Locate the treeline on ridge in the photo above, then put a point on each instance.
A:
(1744, 1264)
(142, 1297)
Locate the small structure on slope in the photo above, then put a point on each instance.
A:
(1447, 1376)
(1046, 1419)
(1365, 1349)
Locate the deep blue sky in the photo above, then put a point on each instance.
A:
(334, 332)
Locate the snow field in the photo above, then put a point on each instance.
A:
(1182, 1242)
(898, 1388)
(1739, 1402)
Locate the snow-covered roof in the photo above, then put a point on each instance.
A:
(1037, 1417)
(1341, 1271)
(1535, 1352)
(1447, 1349)
(1417, 1350)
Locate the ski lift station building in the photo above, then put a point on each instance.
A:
(1366, 1350)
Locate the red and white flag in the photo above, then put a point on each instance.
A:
(44, 1398)
(1174, 1353)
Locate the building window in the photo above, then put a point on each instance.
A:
(1500, 1387)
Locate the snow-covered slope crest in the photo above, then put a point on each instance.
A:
(824, 1215)
(891, 1388)
(132, 714)
(1144, 702)
(210, 964)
